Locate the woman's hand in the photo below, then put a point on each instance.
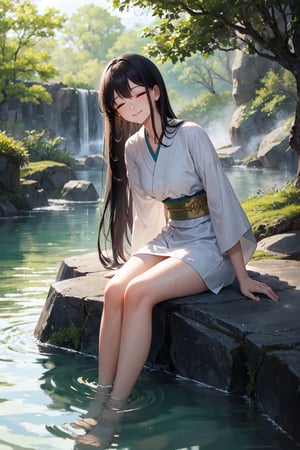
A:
(250, 287)
(110, 274)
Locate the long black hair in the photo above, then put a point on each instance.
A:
(116, 219)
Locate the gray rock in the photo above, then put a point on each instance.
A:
(72, 313)
(277, 389)
(282, 244)
(76, 266)
(7, 209)
(206, 354)
(224, 340)
(274, 148)
(35, 196)
(53, 177)
(234, 153)
(9, 175)
(96, 162)
(247, 129)
(79, 191)
(247, 71)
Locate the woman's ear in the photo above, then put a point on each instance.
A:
(156, 92)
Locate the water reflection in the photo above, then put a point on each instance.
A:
(251, 182)
(165, 413)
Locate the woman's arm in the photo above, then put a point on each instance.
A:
(248, 286)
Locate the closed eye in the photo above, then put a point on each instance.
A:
(140, 94)
(137, 95)
(120, 105)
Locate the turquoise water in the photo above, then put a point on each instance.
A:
(42, 387)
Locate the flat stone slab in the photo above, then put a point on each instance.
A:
(285, 270)
(282, 244)
(224, 340)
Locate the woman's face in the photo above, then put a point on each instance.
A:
(136, 109)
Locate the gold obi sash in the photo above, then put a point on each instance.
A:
(188, 207)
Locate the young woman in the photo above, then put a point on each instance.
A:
(167, 190)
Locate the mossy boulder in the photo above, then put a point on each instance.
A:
(51, 175)
(274, 151)
(9, 174)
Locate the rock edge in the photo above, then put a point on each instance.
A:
(226, 341)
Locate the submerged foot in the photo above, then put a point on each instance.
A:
(101, 435)
(90, 418)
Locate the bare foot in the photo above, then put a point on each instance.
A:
(101, 435)
(96, 405)
(90, 418)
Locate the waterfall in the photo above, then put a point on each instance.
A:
(83, 100)
(90, 123)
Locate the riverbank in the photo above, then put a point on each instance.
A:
(225, 341)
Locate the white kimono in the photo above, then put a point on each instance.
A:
(188, 163)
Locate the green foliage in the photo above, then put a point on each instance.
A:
(263, 27)
(13, 150)
(269, 210)
(130, 41)
(22, 31)
(207, 108)
(81, 52)
(40, 148)
(269, 29)
(277, 94)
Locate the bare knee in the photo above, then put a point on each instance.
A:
(113, 296)
(137, 295)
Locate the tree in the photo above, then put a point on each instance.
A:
(81, 52)
(268, 28)
(22, 30)
(211, 74)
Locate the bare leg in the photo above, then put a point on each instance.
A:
(168, 279)
(132, 293)
(112, 316)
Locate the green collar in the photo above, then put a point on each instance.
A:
(152, 153)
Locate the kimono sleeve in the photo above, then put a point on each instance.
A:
(148, 213)
(229, 220)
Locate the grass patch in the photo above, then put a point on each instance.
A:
(38, 166)
(271, 210)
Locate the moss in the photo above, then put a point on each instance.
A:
(38, 166)
(249, 158)
(69, 335)
(259, 254)
(267, 212)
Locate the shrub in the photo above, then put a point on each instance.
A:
(277, 95)
(13, 150)
(40, 148)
